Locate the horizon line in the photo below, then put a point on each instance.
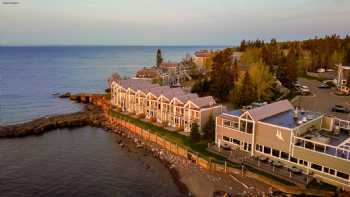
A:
(116, 45)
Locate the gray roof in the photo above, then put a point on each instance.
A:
(135, 83)
(271, 109)
(203, 101)
(236, 112)
(286, 119)
(173, 92)
(147, 87)
(184, 98)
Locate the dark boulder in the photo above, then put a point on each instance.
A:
(65, 95)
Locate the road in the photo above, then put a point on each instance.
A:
(322, 100)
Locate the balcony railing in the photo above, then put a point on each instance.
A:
(329, 150)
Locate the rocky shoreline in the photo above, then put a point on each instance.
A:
(188, 177)
(91, 116)
(134, 144)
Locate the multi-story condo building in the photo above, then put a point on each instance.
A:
(343, 83)
(199, 58)
(316, 144)
(170, 106)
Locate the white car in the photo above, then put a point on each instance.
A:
(304, 90)
(321, 70)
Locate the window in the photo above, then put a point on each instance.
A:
(227, 123)
(231, 124)
(259, 148)
(284, 155)
(293, 159)
(225, 138)
(249, 127)
(302, 162)
(243, 125)
(275, 153)
(343, 175)
(236, 141)
(326, 170)
(234, 125)
(267, 150)
(316, 167)
(331, 171)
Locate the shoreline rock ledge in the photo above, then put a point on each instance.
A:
(92, 115)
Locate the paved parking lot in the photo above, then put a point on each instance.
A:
(322, 100)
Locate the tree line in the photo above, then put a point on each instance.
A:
(261, 64)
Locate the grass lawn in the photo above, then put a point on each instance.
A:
(198, 148)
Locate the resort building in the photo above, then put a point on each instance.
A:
(343, 83)
(148, 73)
(200, 57)
(170, 106)
(315, 144)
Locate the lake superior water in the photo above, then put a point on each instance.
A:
(30, 75)
(86, 162)
(80, 162)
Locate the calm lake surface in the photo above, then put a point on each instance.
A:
(80, 162)
(30, 75)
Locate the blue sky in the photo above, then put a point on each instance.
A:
(168, 22)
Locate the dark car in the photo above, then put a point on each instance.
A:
(324, 86)
(340, 108)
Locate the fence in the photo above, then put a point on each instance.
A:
(211, 165)
(177, 149)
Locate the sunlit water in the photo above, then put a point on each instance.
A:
(80, 162)
(30, 75)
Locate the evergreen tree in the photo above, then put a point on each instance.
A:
(195, 135)
(347, 56)
(291, 68)
(159, 57)
(222, 75)
(244, 93)
(209, 129)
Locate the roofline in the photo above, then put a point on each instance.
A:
(192, 103)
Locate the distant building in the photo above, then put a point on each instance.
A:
(199, 58)
(236, 56)
(149, 73)
(169, 67)
(317, 144)
(343, 84)
(170, 106)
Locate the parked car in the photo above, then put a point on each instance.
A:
(330, 70)
(324, 86)
(321, 70)
(340, 108)
(304, 90)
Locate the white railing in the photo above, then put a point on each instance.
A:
(333, 151)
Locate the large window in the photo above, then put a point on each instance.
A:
(343, 175)
(249, 127)
(227, 123)
(267, 150)
(276, 153)
(284, 155)
(259, 148)
(225, 138)
(231, 124)
(316, 167)
(293, 159)
(246, 126)
(235, 141)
